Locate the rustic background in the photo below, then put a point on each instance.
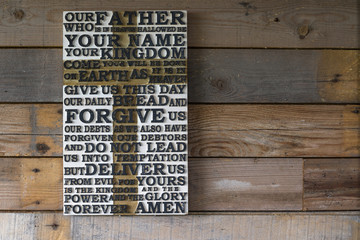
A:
(274, 122)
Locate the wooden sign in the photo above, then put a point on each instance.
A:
(125, 113)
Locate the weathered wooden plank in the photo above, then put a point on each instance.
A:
(203, 143)
(35, 119)
(28, 226)
(274, 76)
(253, 184)
(263, 226)
(332, 184)
(219, 117)
(31, 184)
(274, 143)
(30, 75)
(30, 145)
(215, 76)
(291, 24)
(240, 184)
(214, 130)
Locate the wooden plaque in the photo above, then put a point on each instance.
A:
(125, 113)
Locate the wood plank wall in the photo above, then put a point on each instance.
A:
(274, 122)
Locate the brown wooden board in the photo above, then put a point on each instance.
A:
(332, 184)
(31, 119)
(31, 184)
(216, 184)
(203, 143)
(285, 24)
(35, 119)
(261, 226)
(214, 130)
(30, 145)
(257, 183)
(223, 75)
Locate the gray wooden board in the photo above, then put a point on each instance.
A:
(232, 23)
(249, 226)
(215, 76)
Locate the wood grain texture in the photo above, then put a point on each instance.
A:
(245, 184)
(232, 117)
(222, 75)
(214, 130)
(30, 145)
(30, 184)
(31, 119)
(216, 184)
(274, 76)
(291, 24)
(35, 119)
(274, 143)
(281, 226)
(26, 226)
(203, 143)
(332, 184)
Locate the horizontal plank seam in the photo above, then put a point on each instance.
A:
(278, 211)
(272, 129)
(199, 47)
(31, 134)
(215, 103)
(205, 129)
(208, 157)
(261, 212)
(35, 157)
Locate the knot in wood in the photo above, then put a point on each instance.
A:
(42, 148)
(18, 14)
(303, 31)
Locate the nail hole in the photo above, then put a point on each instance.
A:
(54, 226)
(336, 78)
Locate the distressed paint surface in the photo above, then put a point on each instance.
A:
(247, 226)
